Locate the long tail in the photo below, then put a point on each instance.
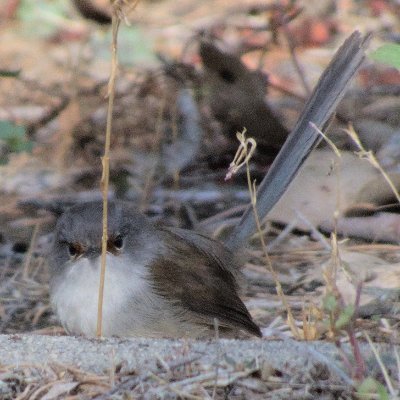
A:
(301, 141)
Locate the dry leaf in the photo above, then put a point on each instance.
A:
(58, 389)
(374, 273)
(315, 193)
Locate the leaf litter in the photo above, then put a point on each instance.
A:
(63, 112)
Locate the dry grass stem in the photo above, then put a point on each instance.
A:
(243, 154)
(122, 8)
(218, 355)
(384, 371)
(363, 153)
(292, 49)
(242, 157)
(316, 234)
(106, 168)
(327, 140)
(396, 354)
(283, 235)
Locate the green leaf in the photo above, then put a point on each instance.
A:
(382, 392)
(134, 47)
(42, 18)
(9, 73)
(371, 386)
(15, 137)
(388, 54)
(345, 317)
(330, 302)
(8, 131)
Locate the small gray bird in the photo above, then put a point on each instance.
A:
(159, 281)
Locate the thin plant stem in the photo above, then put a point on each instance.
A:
(384, 371)
(363, 153)
(106, 169)
(242, 158)
(279, 290)
(295, 60)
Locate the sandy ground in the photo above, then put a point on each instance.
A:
(151, 368)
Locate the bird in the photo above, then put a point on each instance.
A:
(160, 281)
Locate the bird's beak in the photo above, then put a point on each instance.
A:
(92, 253)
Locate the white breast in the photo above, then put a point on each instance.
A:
(130, 306)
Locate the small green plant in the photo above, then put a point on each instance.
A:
(340, 316)
(14, 138)
(9, 73)
(389, 54)
(371, 386)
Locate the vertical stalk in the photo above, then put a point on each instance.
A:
(106, 169)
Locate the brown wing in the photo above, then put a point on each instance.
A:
(198, 273)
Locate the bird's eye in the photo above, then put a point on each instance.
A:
(74, 250)
(115, 244)
(118, 242)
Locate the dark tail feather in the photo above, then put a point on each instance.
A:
(318, 110)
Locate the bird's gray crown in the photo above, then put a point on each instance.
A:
(83, 224)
